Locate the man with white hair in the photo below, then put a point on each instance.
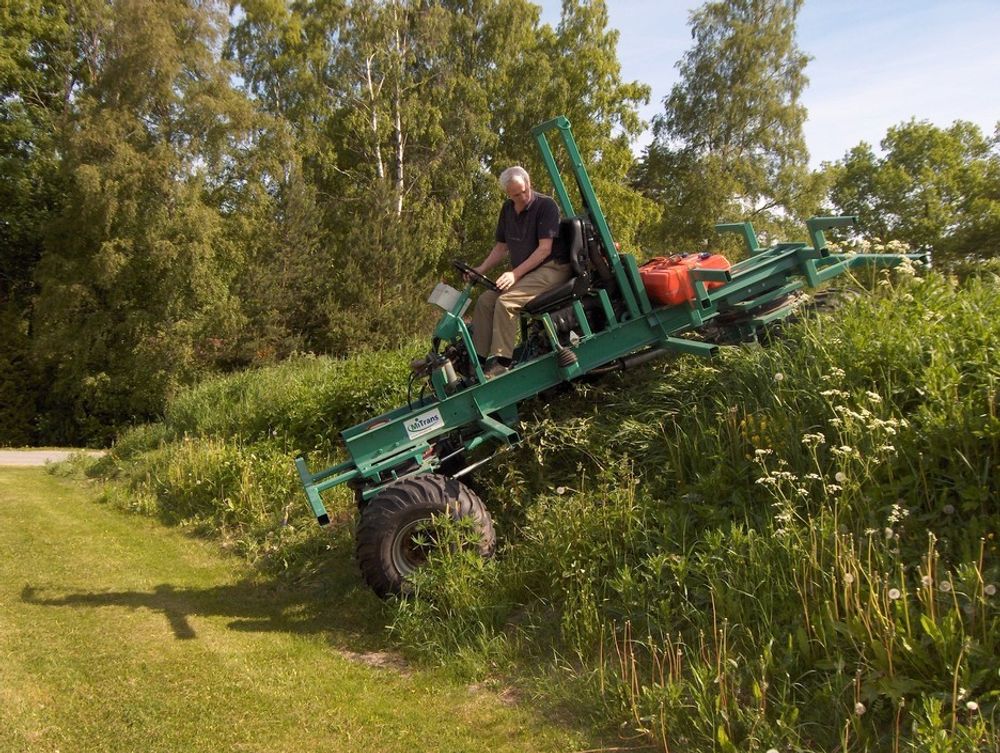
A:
(529, 221)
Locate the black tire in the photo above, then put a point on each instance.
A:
(393, 539)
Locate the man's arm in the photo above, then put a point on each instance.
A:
(540, 254)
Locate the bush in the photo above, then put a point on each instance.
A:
(18, 382)
(222, 461)
(302, 404)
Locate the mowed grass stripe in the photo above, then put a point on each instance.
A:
(117, 634)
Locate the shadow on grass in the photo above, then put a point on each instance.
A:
(340, 606)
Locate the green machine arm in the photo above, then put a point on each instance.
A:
(629, 284)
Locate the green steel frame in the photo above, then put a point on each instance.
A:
(406, 441)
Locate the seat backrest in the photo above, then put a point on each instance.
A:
(597, 259)
(577, 241)
(573, 242)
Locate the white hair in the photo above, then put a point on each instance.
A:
(511, 174)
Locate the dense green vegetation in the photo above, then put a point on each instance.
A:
(791, 547)
(189, 188)
(184, 192)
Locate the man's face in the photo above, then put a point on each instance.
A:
(520, 193)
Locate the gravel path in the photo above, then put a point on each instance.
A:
(23, 458)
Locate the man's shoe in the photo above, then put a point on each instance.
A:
(495, 369)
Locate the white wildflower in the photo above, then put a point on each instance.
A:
(990, 590)
(894, 593)
(840, 477)
(949, 509)
(859, 708)
(897, 513)
(972, 706)
(906, 268)
(946, 586)
(779, 377)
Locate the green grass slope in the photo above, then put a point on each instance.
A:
(785, 548)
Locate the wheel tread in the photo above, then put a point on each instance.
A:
(431, 492)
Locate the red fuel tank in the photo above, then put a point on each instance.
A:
(667, 279)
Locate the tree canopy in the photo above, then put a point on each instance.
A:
(729, 142)
(188, 188)
(932, 188)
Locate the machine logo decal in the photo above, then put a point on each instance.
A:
(424, 423)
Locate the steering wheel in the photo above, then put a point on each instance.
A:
(481, 279)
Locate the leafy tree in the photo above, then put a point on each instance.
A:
(401, 114)
(933, 188)
(589, 90)
(18, 386)
(729, 143)
(133, 279)
(37, 73)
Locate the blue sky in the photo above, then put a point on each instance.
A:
(876, 63)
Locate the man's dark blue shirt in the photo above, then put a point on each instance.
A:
(522, 231)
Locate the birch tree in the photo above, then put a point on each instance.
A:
(729, 143)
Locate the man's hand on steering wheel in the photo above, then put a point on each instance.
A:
(474, 275)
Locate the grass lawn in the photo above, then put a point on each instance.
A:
(117, 634)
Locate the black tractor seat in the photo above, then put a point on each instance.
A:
(581, 244)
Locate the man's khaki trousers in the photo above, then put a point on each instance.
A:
(494, 321)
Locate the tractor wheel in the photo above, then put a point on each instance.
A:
(396, 530)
